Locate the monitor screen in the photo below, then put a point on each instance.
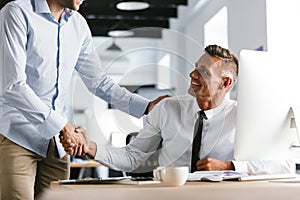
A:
(268, 85)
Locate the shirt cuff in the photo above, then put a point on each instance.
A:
(138, 105)
(52, 125)
(240, 166)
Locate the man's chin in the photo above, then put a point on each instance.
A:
(191, 92)
(75, 7)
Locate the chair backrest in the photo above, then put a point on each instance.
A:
(146, 168)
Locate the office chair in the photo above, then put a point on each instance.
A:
(145, 170)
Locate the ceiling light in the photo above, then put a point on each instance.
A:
(120, 29)
(133, 5)
(113, 47)
(120, 33)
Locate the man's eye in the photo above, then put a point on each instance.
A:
(203, 71)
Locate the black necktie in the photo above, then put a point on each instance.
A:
(197, 140)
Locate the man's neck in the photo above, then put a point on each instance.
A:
(210, 103)
(55, 8)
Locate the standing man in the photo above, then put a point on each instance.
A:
(42, 43)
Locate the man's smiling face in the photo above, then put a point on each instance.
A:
(206, 80)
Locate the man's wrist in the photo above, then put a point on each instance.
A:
(230, 166)
(65, 128)
(92, 149)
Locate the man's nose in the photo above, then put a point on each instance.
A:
(194, 74)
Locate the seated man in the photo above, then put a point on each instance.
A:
(172, 124)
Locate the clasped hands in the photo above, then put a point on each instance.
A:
(76, 142)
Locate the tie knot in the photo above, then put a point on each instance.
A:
(202, 114)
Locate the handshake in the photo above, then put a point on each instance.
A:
(76, 142)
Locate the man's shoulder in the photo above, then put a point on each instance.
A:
(77, 19)
(173, 106)
(19, 4)
(178, 100)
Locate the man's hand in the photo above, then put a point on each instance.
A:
(72, 142)
(155, 101)
(210, 164)
(90, 147)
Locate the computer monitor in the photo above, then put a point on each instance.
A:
(268, 86)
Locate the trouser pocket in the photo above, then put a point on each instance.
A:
(2, 138)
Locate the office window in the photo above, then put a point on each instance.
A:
(216, 29)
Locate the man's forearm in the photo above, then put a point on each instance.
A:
(92, 149)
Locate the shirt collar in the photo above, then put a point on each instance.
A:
(66, 14)
(41, 6)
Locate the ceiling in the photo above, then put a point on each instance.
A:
(103, 16)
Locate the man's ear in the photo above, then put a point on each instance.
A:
(226, 82)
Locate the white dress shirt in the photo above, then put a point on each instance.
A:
(172, 123)
(38, 55)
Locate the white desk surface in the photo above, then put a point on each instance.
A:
(226, 190)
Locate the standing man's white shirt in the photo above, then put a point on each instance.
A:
(172, 123)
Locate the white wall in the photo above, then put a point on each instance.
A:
(246, 21)
(283, 27)
(134, 64)
(247, 24)
(174, 43)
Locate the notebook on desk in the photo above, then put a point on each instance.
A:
(217, 176)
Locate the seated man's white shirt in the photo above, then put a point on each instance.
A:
(171, 123)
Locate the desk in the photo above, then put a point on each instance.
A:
(84, 165)
(226, 190)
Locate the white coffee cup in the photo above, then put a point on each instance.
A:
(171, 176)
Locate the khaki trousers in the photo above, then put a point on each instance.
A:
(24, 174)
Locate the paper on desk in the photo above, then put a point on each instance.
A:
(198, 175)
(226, 175)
